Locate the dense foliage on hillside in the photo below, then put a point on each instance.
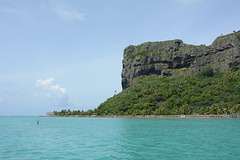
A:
(203, 93)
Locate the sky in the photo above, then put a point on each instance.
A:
(67, 54)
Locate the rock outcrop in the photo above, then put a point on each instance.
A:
(175, 57)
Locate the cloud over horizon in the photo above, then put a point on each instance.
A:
(49, 89)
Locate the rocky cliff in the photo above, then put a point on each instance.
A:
(175, 57)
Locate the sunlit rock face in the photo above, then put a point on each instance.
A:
(175, 57)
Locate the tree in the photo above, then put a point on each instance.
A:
(186, 109)
(208, 72)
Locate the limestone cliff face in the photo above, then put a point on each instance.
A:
(175, 57)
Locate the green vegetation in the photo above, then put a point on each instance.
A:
(178, 71)
(208, 72)
(68, 112)
(182, 69)
(203, 93)
(140, 53)
(148, 52)
(229, 35)
(234, 68)
(208, 47)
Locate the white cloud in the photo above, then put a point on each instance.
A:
(66, 12)
(44, 83)
(50, 89)
(56, 94)
(57, 88)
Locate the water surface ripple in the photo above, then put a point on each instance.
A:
(113, 138)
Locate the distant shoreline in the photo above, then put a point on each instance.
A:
(158, 116)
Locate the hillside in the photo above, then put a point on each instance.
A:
(203, 93)
(172, 77)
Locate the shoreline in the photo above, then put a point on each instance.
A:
(157, 116)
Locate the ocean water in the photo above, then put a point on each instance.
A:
(113, 138)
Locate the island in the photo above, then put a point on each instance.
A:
(174, 78)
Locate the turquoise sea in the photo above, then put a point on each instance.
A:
(116, 138)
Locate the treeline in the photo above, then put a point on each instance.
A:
(203, 93)
(68, 112)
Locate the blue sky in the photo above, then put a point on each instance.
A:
(60, 54)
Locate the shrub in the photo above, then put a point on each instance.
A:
(208, 72)
(234, 68)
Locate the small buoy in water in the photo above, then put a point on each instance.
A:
(205, 120)
(38, 122)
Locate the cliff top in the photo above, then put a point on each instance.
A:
(170, 46)
(174, 57)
